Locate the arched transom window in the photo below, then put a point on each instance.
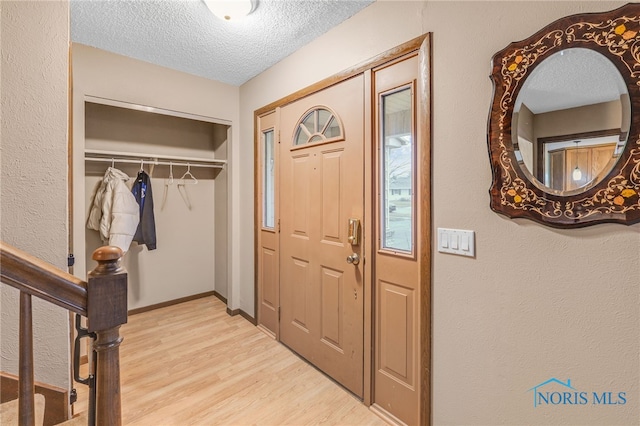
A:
(319, 124)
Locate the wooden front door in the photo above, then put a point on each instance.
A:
(321, 189)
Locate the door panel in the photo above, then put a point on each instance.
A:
(300, 194)
(300, 294)
(396, 330)
(321, 187)
(268, 301)
(398, 266)
(332, 290)
(269, 271)
(331, 171)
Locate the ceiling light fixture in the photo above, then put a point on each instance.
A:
(230, 10)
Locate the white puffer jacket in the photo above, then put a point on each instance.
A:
(114, 211)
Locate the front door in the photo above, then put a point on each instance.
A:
(321, 190)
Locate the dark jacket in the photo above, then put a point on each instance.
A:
(146, 232)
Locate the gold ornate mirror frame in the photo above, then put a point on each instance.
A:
(616, 198)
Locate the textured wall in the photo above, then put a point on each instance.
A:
(536, 302)
(34, 84)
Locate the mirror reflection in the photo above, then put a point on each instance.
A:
(570, 121)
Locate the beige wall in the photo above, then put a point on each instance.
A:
(591, 118)
(102, 74)
(35, 43)
(535, 302)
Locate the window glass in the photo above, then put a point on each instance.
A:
(318, 125)
(397, 152)
(309, 122)
(302, 135)
(323, 117)
(268, 181)
(333, 129)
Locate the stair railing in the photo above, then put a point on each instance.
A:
(102, 300)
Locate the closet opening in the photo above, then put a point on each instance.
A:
(184, 157)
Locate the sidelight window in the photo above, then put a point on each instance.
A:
(268, 180)
(397, 160)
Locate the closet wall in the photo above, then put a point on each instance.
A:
(191, 118)
(181, 265)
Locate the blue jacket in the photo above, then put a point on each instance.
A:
(146, 232)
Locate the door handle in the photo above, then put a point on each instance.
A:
(353, 259)
(354, 232)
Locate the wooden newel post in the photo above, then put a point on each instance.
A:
(106, 311)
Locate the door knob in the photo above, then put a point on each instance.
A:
(353, 259)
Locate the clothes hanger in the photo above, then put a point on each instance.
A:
(168, 182)
(182, 185)
(192, 178)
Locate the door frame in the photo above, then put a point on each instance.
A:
(421, 45)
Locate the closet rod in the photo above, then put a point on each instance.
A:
(154, 162)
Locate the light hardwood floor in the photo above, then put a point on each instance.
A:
(192, 364)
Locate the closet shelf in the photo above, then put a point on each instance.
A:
(154, 110)
(154, 159)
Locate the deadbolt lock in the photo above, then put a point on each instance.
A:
(354, 232)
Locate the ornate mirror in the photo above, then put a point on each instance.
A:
(564, 129)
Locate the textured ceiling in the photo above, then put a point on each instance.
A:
(184, 35)
(571, 78)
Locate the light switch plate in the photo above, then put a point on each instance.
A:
(457, 241)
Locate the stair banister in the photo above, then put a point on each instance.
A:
(26, 383)
(107, 311)
(103, 300)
